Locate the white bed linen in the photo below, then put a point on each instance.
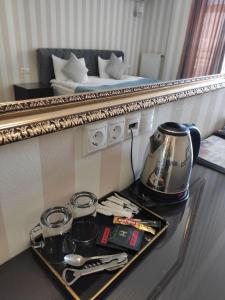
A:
(59, 90)
(92, 81)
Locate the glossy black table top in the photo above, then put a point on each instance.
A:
(187, 263)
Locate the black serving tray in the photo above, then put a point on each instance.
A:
(95, 285)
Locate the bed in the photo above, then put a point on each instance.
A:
(94, 82)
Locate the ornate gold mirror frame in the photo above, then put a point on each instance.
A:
(31, 118)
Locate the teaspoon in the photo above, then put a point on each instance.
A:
(77, 260)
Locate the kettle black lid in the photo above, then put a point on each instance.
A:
(173, 128)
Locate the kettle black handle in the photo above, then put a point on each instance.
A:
(195, 139)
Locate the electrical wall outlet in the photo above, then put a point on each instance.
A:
(132, 120)
(95, 137)
(102, 134)
(116, 130)
(146, 123)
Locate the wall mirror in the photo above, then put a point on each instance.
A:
(151, 35)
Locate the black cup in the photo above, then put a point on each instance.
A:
(56, 247)
(84, 232)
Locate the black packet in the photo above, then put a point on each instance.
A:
(120, 237)
(105, 232)
(127, 237)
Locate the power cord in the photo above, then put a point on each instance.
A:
(131, 153)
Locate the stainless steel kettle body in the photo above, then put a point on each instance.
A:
(173, 149)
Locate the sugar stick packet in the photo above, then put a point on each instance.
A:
(135, 223)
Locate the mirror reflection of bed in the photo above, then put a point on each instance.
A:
(156, 39)
(70, 71)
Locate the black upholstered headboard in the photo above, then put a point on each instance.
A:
(45, 65)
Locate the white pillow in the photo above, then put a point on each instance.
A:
(102, 63)
(59, 64)
(75, 69)
(115, 68)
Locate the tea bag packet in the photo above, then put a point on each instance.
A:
(127, 237)
(105, 232)
(120, 237)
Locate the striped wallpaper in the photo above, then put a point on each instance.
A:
(26, 25)
(164, 30)
(45, 171)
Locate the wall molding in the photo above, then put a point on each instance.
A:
(36, 125)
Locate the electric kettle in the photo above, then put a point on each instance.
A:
(173, 150)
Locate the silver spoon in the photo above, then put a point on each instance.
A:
(77, 260)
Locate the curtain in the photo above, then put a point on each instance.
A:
(204, 45)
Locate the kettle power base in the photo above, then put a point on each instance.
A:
(149, 198)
